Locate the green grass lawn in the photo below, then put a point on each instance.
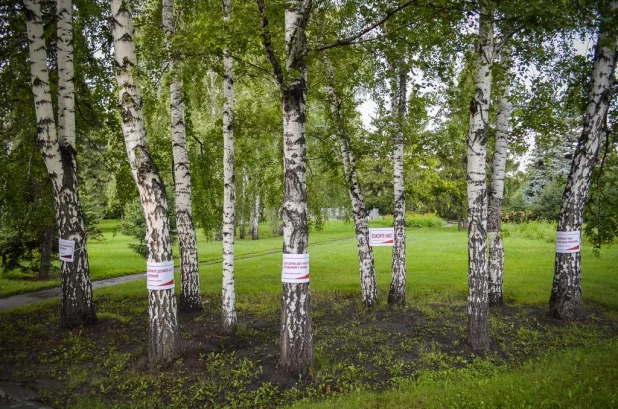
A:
(436, 260)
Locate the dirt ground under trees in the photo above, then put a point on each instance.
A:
(106, 364)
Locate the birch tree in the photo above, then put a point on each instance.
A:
(496, 193)
(566, 299)
(189, 270)
(296, 325)
(228, 309)
(255, 217)
(478, 307)
(58, 150)
(163, 338)
(369, 293)
(397, 291)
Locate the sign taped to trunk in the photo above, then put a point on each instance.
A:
(295, 268)
(160, 275)
(66, 250)
(381, 237)
(568, 241)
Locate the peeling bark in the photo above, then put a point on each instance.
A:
(163, 342)
(189, 271)
(228, 309)
(478, 303)
(59, 157)
(496, 194)
(369, 293)
(566, 298)
(397, 291)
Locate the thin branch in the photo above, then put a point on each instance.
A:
(268, 45)
(352, 38)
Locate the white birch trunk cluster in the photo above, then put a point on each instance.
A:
(228, 307)
(59, 157)
(496, 194)
(478, 303)
(397, 291)
(163, 339)
(189, 271)
(566, 298)
(369, 292)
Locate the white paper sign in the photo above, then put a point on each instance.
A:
(66, 250)
(160, 275)
(381, 237)
(295, 268)
(568, 241)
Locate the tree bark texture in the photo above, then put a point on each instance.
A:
(478, 303)
(566, 298)
(397, 292)
(163, 339)
(77, 304)
(189, 271)
(369, 293)
(496, 194)
(66, 76)
(228, 308)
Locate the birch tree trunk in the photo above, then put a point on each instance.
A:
(189, 270)
(369, 293)
(163, 338)
(566, 299)
(496, 194)
(255, 218)
(478, 305)
(296, 326)
(59, 157)
(397, 292)
(228, 309)
(243, 221)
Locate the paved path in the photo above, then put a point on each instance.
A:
(15, 396)
(21, 300)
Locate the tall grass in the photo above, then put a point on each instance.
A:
(412, 220)
(535, 230)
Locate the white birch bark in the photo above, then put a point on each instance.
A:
(296, 323)
(189, 270)
(566, 299)
(369, 293)
(243, 206)
(496, 194)
(255, 218)
(397, 291)
(296, 326)
(478, 303)
(66, 80)
(163, 338)
(228, 308)
(77, 304)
